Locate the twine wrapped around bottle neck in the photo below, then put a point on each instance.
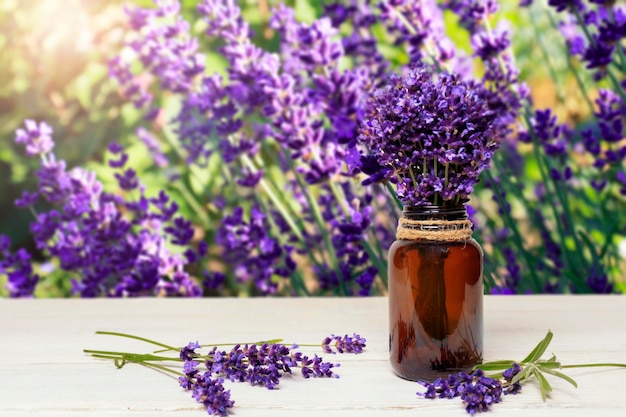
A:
(435, 230)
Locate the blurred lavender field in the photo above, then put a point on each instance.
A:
(209, 148)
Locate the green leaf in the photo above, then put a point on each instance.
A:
(544, 385)
(592, 247)
(540, 349)
(559, 374)
(551, 364)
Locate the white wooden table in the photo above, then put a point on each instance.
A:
(43, 370)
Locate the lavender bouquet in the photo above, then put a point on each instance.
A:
(432, 135)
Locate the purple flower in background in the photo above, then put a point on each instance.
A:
(5, 244)
(116, 247)
(621, 179)
(36, 138)
(361, 44)
(498, 290)
(436, 133)
(127, 180)
(324, 52)
(133, 88)
(489, 45)
(573, 37)
(603, 141)
(250, 179)
(254, 255)
(152, 143)
(594, 34)
(213, 280)
(611, 114)
(512, 267)
(311, 46)
(492, 47)
(598, 54)
(349, 227)
(598, 281)
(181, 231)
(472, 12)
(17, 266)
(419, 25)
(552, 136)
(27, 199)
(561, 5)
(172, 54)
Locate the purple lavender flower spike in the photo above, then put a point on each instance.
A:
(487, 46)
(251, 252)
(36, 137)
(508, 375)
(27, 199)
(128, 180)
(213, 280)
(561, 5)
(119, 163)
(188, 353)
(512, 267)
(477, 391)
(344, 344)
(152, 143)
(115, 148)
(181, 231)
(502, 291)
(17, 267)
(419, 26)
(5, 244)
(211, 393)
(598, 281)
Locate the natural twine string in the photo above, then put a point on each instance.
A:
(445, 231)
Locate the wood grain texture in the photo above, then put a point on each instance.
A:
(43, 370)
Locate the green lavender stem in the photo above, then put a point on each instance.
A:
(579, 261)
(142, 339)
(296, 278)
(546, 56)
(395, 197)
(317, 216)
(517, 238)
(275, 200)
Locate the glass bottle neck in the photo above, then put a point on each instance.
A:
(458, 212)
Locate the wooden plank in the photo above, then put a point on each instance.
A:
(43, 370)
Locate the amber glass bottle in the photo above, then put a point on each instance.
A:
(435, 295)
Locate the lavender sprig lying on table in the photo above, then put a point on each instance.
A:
(261, 363)
(478, 390)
